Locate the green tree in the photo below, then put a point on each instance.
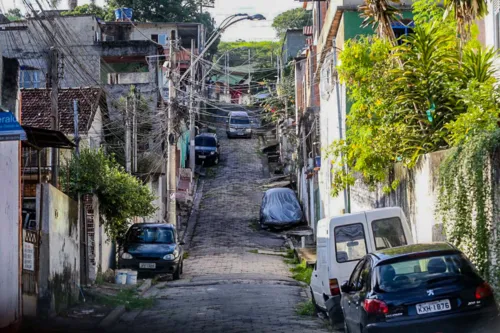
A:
(105, 13)
(291, 19)
(466, 13)
(380, 14)
(262, 56)
(121, 195)
(411, 99)
(14, 14)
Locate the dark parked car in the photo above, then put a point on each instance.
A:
(153, 248)
(207, 148)
(417, 288)
(280, 208)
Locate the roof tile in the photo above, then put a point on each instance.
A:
(36, 108)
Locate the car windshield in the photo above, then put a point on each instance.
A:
(240, 120)
(150, 235)
(205, 141)
(424, 272)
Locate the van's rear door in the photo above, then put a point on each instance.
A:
(350, 243)
(388, 228)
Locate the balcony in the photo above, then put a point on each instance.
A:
(129, 78)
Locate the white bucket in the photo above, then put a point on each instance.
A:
(121, 276)
(132, 277)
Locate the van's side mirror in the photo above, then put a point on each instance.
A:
(345, 287)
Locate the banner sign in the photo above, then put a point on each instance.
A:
(10, 130)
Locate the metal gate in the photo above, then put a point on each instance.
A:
(31, 241)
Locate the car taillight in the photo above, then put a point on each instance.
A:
(374, 306)
(334, 287)
(483, 290)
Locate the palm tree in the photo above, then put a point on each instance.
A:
(466, 12)
(380, 14)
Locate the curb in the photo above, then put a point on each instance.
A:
(112, 317)
(193, 217)
(117, 312)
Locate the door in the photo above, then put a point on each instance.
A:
(350, 301)
(319, 278)
(317, 282)
(363, 286)
(350, 245)
(388, 228)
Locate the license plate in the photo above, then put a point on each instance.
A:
(147, 265)
(202, 157)
(431, 307)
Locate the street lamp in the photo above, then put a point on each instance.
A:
(220, 30)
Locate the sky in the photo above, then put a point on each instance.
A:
(246, 30)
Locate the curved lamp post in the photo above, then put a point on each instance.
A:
(224, 25)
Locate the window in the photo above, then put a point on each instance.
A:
(31, 78)
(403, 28)
(240, 120)
(350, 242)
(154, 38)
(162, 39)
(353, 281)
(150, 235)
(388, 233)
(364, 276)
(424, 273)
(205, 141)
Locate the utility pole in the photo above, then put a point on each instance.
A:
(134, 133)
(227, 72)
(192, 132)
(54, 116)
(172, 149)
(249, 73)
(128, 162)
(75, 124)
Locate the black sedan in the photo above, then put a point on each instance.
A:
(207, 149)
(418, 289)
(280, 208)
(152, 248)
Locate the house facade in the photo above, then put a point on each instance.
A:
(10, 237)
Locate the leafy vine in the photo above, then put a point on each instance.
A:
(466, 201)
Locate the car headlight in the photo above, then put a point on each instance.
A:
(212, 153)
(171, 256)
(248, 130)
(232, 130)
(127, 256)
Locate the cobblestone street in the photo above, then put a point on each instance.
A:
(227, 286)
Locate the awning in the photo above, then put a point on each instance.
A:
(43, 138)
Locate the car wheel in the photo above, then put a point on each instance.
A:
(346, 329)
(177, 273)
(182, 267)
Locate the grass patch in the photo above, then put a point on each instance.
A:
(128, 298)
(185, 255)
(290, 254)
(301, 272)
(155, 280)
(306, 309)
(254, 251)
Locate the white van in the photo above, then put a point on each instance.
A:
(342, 241)
(238, 124)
